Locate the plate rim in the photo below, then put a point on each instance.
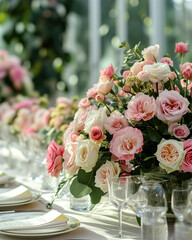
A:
(69, 229)
(35, 197)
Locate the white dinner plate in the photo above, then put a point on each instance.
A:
(5, 179)
(72, 224)
(35, 197)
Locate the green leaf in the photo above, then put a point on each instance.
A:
(96, 195)
(138, 220)
(85, 178)
(148, 158)
(153, 135)
(79, 190)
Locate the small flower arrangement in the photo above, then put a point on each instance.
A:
(14, 78)
(136, 123)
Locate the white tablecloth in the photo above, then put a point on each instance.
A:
(101, 223)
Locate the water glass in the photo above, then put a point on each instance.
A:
(179, 200)
(151, 201)
(155, 231)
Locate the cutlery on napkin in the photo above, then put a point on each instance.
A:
(20, 193)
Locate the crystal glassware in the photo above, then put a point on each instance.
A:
(119, 189)
(179, 200)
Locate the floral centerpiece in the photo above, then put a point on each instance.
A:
(14, 78)
(136, 123)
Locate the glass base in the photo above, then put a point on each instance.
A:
(80, 204)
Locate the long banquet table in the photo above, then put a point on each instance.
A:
(98, 224)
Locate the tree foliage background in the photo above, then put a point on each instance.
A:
(35, 30)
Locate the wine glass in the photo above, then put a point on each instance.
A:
(151, 201)
(179, 200)
(118, 188)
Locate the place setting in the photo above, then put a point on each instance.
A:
(5, 178)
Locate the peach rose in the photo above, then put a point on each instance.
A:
(126, 143)
(115, 122)
(100, 98)
(158, 71)
(106, 171)
(54, 159)
(141, 107)
(92, 92)
(187, 163)
(170, 154)
(171, 106)
(136, 68)
(151, 53)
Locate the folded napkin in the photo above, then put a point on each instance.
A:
(4, 178)
(18, 194)
(50, 220)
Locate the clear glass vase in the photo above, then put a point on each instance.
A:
(80, 204)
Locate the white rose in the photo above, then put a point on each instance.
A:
(151, 52)
(106, 171)
(86, 154)
(95, 118)
(170, 154)
(8, 115)
(158, 71)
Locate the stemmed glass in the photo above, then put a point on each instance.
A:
(119, 188)
(179, 200)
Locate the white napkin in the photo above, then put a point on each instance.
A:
(50, 220)
(18, 194)
(4, 178)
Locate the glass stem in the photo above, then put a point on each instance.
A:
(120, 223)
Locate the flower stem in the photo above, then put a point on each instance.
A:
(120, 223)
(157, 89)
(181, 55)
(106, 106)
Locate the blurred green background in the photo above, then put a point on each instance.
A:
(64, 43)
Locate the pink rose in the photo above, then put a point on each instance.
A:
(24, 104)
(187, 73)
(126, 88)
(122, 93)
(69, 159)
(104, 85)
(144, 76)
(172, 76)
(126, 74)
(109, 71)
(141, 107)
(171, 106)
(126, 143)
(136, 68)
(96, 133)
(29, 131)
(187, 162)
(100, 98)
(184, 85)
(68, 133)
(84, 102)
(16, 74)
(58, 122)
(181, 47)
(181, 131)
(54, 159)
(115, 122)
(92, 92)
(166, 60)
(185, 65)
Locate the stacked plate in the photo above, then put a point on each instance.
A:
(17, 196)
(37, 224)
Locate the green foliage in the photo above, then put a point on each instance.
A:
(38, 27)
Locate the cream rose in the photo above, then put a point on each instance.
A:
(170, 154)
(151, 53)
(106, 171)
(86, 154)
(158, 71)
(95, 118)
